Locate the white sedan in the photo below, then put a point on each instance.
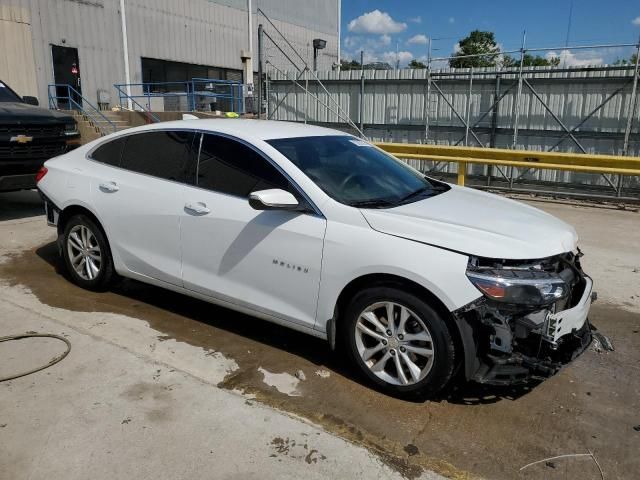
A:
(420, 281)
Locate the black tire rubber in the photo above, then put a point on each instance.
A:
(107, 274)
(443, 344)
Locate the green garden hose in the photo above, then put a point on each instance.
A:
(53, 361)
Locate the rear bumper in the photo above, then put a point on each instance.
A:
(10, 183)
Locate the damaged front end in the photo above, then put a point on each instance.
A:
(530, 322)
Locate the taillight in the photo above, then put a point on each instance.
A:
(41, 173)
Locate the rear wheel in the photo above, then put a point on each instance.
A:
(86, 253)
(398, 341)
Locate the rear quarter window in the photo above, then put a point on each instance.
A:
(163, 154)
(109, 152)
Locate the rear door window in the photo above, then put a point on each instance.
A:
(229, 166)
(163, 154)
(109, 152)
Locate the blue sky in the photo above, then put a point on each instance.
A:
(378, 25)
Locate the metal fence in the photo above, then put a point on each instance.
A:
(586, 109)
(197, 94)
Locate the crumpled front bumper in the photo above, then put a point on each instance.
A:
(562, 337)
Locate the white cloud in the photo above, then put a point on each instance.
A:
(385, 39)
(636, 21)
(417, 19)
(376, 22)
(570, 59)
(418, 39)
(452, 20)
(390, 57)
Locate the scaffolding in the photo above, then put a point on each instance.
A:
(506, 81)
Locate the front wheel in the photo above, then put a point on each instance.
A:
(399, 342)
(86, 254)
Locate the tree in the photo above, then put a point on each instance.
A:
(530, 61)
(624, 61)
(416, 64)
(477, 43)
(350, 65)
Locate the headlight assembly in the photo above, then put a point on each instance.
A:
(520, 287)
(70, 129)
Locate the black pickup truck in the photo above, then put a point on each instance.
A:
(30, 135)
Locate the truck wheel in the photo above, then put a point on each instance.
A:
(399, 342)
(86, 254)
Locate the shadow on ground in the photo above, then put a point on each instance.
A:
(23, 204)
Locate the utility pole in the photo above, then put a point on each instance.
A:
(260, 69)
(125, 49)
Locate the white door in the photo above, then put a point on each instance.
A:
(266, 260)
(140, 200)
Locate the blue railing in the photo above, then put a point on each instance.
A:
(199, 94)
(64, 97)
(123, 95)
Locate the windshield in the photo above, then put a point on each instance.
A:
(7, 95)
(356, 173)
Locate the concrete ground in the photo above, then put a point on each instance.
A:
(158, 385)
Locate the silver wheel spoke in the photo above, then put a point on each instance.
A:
(371, 318)
(390, 320)
(417, 337)
(414, 370)
(370, 332)
(93, 269)
(380, 364)
(404, 316)
(425, 352)
(370, 352)
(75, 241)
(79, 268)
(401, 374)
(87, 269)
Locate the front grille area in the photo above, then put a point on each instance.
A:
(18, 152)
(32, 130)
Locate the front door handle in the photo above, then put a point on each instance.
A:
(109, 187)
(197, 208)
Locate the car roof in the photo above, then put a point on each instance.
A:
(245, 127)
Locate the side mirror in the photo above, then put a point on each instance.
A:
(30, 100)
(274, 199)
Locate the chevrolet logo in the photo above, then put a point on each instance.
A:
(21, 139)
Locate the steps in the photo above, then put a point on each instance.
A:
(97, 126)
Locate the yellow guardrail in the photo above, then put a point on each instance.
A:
(463, 156)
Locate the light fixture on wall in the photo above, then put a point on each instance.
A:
(318, 44)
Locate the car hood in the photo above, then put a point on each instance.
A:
(477, 223)
(23, 114)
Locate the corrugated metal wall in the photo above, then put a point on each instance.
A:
(396, 106)
(17, 65)
(204, 32)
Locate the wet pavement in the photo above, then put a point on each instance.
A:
(591, 406)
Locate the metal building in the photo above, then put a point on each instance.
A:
(83, 42)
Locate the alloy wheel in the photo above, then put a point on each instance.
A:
(84, 252)
(394, 343)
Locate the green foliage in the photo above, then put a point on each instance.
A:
(416, 64)
(476, 43)
(349, 65)
(624, 61)
(530, 61)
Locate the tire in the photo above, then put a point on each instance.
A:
(86, 253)
(423, 330)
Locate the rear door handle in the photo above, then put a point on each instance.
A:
(109, 187)
(197, 208)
